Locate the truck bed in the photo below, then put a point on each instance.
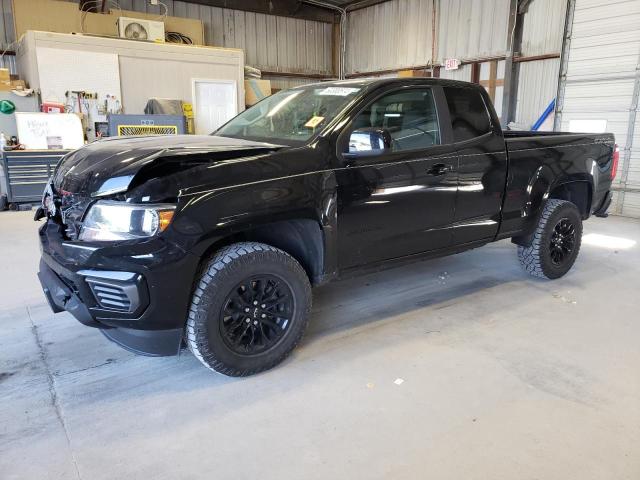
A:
(528, 133)
(536, 159)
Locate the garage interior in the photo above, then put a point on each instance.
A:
(458, 367)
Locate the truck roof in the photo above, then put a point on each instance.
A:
(376, 82)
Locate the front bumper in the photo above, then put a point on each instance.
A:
(136, 293)
(60, 297)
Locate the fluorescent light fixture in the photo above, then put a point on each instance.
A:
(607, 241)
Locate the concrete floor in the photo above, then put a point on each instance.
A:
(504, 377)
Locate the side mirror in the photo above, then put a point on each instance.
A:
(369, 141)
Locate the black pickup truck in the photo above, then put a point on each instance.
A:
(215, 241)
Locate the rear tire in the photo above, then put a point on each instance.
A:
(556, 241)
(249, 310)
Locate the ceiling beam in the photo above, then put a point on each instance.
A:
(284, 8)
(360, 4)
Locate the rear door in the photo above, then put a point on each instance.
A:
(399, 201)
(482, 167)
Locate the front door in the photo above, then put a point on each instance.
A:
(399, 200)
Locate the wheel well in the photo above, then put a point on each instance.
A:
(578, 193)
(300, 238)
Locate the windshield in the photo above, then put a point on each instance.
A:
(290, 117)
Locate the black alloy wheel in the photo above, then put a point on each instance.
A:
(249, 310)
(555, 242)
(256, 314)
(562, 242)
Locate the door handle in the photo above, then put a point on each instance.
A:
(439, 169)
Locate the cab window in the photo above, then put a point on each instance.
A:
(409, 117)
(469, 115)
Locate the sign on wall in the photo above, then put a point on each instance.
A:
(451, 64)
(49, 131)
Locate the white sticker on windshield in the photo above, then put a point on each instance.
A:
(338, 91)
(314, 122)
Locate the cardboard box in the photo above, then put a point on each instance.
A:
(255, 90)
(413, 73)
(18, 85)
(13, 85)
(66, 17)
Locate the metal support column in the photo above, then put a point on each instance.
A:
(517, 10)
(564, 63)
(626, 152)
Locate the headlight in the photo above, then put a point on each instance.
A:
(109, 220)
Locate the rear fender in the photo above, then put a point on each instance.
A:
(545, 184)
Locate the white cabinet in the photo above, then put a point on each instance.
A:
(144, 69)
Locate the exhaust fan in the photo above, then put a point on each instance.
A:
(140, 29)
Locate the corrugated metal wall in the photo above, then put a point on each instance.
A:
(398, 33)
(603, 83)
(7, 34)
(471, 29)
(543, 27)
(537, 86)
(9, 61)
(542, 33)
(270, 42)
(389, 35)
(282, 83)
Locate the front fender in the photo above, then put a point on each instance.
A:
(209, 218)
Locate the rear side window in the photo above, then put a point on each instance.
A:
(469, 115)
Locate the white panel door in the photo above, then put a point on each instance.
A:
(214, 103)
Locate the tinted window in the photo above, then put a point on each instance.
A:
(409, 117)
(469, 115)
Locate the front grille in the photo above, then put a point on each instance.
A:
(111, 297)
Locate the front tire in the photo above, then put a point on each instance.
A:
(556, 241)
(249, 310)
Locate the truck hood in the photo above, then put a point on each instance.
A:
(109, 166)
